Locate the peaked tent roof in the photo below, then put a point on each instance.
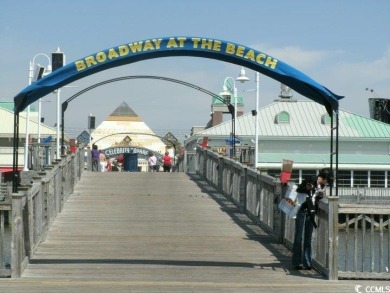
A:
(123, 122)
(124, 112)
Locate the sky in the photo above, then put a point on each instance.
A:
(343, 45)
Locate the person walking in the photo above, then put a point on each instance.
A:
(152, 162)
(167, 162)
(313, 189)
(103, 161)
(95, 158)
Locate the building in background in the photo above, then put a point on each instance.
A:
(124, 128)
(380, 109)
(7, 135)
(300, 131)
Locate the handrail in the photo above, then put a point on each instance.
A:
(35, 206)
(259, 194)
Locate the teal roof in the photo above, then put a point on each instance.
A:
(10, 106)
(324, 158)
(306, 119)
(7, 105)
(240, 101)
(366, 127)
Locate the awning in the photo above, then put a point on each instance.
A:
(231, 141)
(8, 169)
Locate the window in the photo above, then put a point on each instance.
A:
(276, 172)
(325, 119)
(308, 173)
(273, 172)
(295, 175)
(377, 179)
(344, 178)
(360, 178)
(282, 118)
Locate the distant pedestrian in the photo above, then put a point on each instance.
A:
(152, 162)
(95, 158)
(167, 162)
(115, 167)
(103, 161)
(109, 165)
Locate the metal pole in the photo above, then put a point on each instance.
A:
(58, 124)
(63, 108)
(39, 119)
(234, 137)
(235, 115)
(30, 77)
(15, 171)
(257, 79)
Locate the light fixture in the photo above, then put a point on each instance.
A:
(242, 77)
(225, 92)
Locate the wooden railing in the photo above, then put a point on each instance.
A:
(366, 256)
(364, 194)
(5, 209)
(364, 238)
(35, 206)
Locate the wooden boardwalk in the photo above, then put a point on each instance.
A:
(161, 232)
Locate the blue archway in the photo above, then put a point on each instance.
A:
(179, 46)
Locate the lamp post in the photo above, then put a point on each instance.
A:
(47, 71)
(257, 79)
(33, 76)
(58, 60)
(255, 113)
(227, 91)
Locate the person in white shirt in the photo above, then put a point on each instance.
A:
(152, 162)
(103, 161)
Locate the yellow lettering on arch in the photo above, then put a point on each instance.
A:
(123, 50)
(80, 65)
(148, 46)
(206, 44)
(195, 42)
(157, 43)
(230, 48)
(271, 62)
(136, 47)
(101, 57)
(90, 60)
(240, 51)
(250, 55)
(181, 41)
(172, 43)
(259, 58)
(112, 54)
(217, 46)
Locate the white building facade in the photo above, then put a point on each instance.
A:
(301, 131)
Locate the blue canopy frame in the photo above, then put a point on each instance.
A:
(170, 47)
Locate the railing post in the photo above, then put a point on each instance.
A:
(278, 216)
(38, 213)
(220, 173)
(333, 202)
(89, 159)
(205, 156)
(17, 241)
(243, 184)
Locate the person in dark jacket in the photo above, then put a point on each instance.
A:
(313, 188)
(95, 158)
